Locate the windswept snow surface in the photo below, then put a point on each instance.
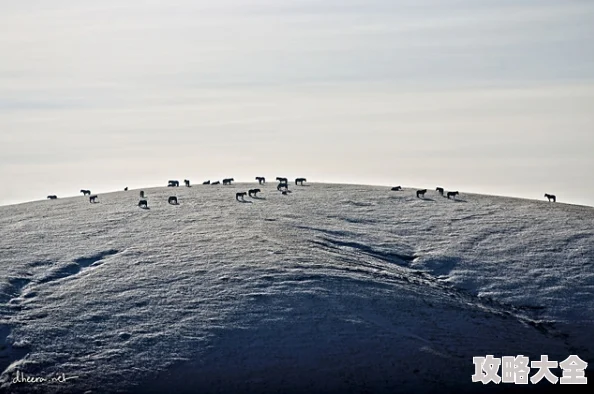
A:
(329, 289)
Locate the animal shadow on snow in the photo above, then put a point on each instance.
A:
(357, 203)
(456, 200)
(245, 201)
(397, 197)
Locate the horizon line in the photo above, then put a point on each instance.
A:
(320, 183)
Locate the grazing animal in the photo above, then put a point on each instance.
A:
(85, 192)
(173, 184)
(172, 200)
(142, 194)
(187, 182)
(551, 197)
(452, 194)
(300, 181)
(421, 193)
(241, 194)
(253, 192)
(396, 188)
(52, 197)
(143, 203)
(215, 183)
(261, 180)
(126, 189)
(206, 182)
(93, 198)
(227, 181)
(282, 180)
(440, 190)
(282, 185)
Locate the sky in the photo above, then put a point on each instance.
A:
(491, 96)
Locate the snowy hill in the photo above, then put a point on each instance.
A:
(331, 288)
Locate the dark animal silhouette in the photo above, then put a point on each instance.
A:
(396, 188)
(173, 184)
(142, 194)
(452, 194)
(551, 197)
(93, 198)
(253, 192)
(440, 190)
(143, 203)
(227, 181)
(187, 182)
(216, 183)
(206, 182)
(172, 200)
(126, 189)
(238, 195)
(85, 192)
(282, 180)
(300, 181)
(282, 185)
(421, 193)
(261, 180)
(52, 197)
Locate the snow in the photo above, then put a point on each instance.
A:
(331, 288)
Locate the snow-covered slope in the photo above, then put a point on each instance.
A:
(331, 288)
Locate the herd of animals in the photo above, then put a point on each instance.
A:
(421, 193)
(283, 187)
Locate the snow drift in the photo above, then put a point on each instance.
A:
(330, 288)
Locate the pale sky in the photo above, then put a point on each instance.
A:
(482, 96)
